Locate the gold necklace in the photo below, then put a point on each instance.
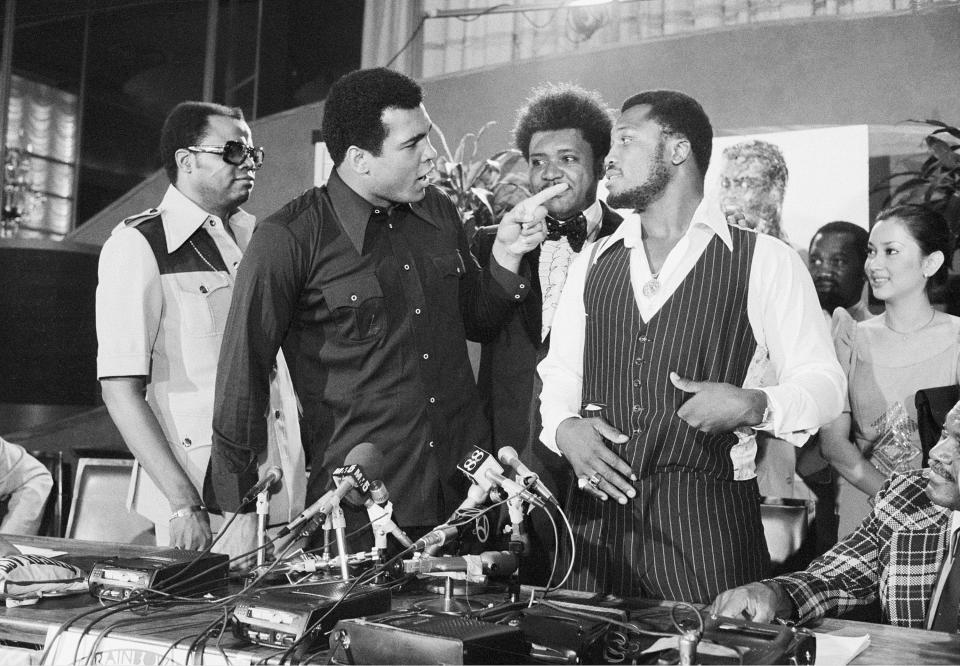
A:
(912, 331)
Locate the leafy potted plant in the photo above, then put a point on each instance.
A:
(937, 182)
(482, 189)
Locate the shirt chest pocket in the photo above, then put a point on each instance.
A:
(204, 300)
(449, 265)
(356, 304)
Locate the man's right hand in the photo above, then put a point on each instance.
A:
(759, 602)
(191, 532)
(581, 442)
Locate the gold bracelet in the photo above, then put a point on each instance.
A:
(187, 510)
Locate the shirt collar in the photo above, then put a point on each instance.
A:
(594, 216)
(354, 211)
(182, 217)
(705, 219)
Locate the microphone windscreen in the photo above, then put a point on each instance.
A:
(370, 460)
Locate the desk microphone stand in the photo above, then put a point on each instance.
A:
(336, 521)
(263, 512)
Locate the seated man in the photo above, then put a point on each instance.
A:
(24, 486)
(905, 552)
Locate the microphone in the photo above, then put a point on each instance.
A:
(495, 562)
(508, 456)
(348, 478)
(380, 512)
(273, 475)
(476, 497)
(436, 537)
(484, 469)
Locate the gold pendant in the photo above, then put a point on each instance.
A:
(651, 288)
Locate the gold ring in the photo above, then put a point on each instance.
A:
(595, 479)
(582, 482)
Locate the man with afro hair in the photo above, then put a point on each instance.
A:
(563, 132)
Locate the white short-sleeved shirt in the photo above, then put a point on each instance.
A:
(165, 282)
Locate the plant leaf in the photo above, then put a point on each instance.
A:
(952, 131)
(942, 151)
(443, 142)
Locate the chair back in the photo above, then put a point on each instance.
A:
(98, 511)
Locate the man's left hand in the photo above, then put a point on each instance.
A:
(523, 229)
(717, 407)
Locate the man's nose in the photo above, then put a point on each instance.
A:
(430, 153)
(551, 171)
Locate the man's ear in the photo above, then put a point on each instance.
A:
(680, 151)
(185, 160)
(357, 160)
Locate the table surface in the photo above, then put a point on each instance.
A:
(29, 624)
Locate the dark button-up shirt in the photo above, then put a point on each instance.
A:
(372, 308)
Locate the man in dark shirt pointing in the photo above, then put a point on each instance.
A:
(369, 287)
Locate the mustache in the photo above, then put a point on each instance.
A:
(940, 469)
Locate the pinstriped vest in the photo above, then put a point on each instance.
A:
(701, 332)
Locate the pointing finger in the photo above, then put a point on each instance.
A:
(546, 194)
(526, 208)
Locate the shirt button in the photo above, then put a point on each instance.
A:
(426, 356)
(417, 311)
(430, 443)
(390, 225)
(353, 297)
(276, 413)
(376, 211)
(406, 267)
(517, 296)
(432, 400)
(187, 442)
(236, 263)
(213, 223)
(522, 285)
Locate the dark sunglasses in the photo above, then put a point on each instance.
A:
(233, 152)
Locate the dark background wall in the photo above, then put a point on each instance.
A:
(821, 72)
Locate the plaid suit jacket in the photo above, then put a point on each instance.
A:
(897, 552)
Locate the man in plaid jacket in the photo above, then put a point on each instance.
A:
(898, 553)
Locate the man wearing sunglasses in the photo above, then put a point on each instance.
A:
(166, 278)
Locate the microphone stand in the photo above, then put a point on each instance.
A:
(336, 521)
(263, 512)
(519, 543)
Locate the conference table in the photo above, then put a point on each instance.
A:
(146, 639)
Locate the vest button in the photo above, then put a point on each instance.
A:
(638, 361)
(637, 409)
(638, 382)
(643, 338)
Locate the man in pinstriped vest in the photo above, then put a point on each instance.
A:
(669, 324)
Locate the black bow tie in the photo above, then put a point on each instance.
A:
(575, 229)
